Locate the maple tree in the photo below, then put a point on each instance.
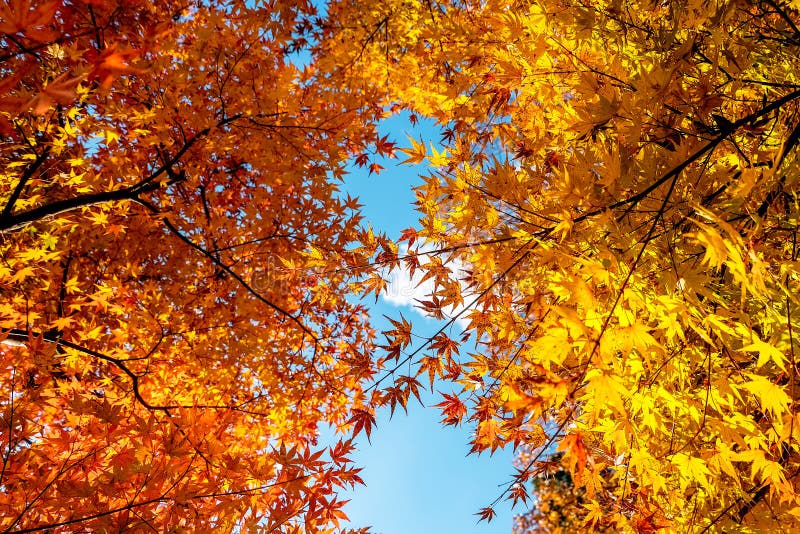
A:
(175, 262)
(615, 215)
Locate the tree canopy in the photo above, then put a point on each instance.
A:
(614, 214)
(168, 188)
(621, 178)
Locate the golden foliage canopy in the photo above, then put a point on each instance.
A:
(621, 180)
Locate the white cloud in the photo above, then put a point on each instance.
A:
(405, 290)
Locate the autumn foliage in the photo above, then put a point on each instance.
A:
(620, 181)
(168, 191)
(613, 210)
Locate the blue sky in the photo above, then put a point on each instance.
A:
(418, 476)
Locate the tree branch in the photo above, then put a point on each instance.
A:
(9, 222)
(23, 180)
(183, 237)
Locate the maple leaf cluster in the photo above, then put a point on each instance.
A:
(174, 327)
(619, 188)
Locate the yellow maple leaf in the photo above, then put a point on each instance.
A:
(416, 154)
(692, 469)
(766, 352)
(607, 390)
(769, 395)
